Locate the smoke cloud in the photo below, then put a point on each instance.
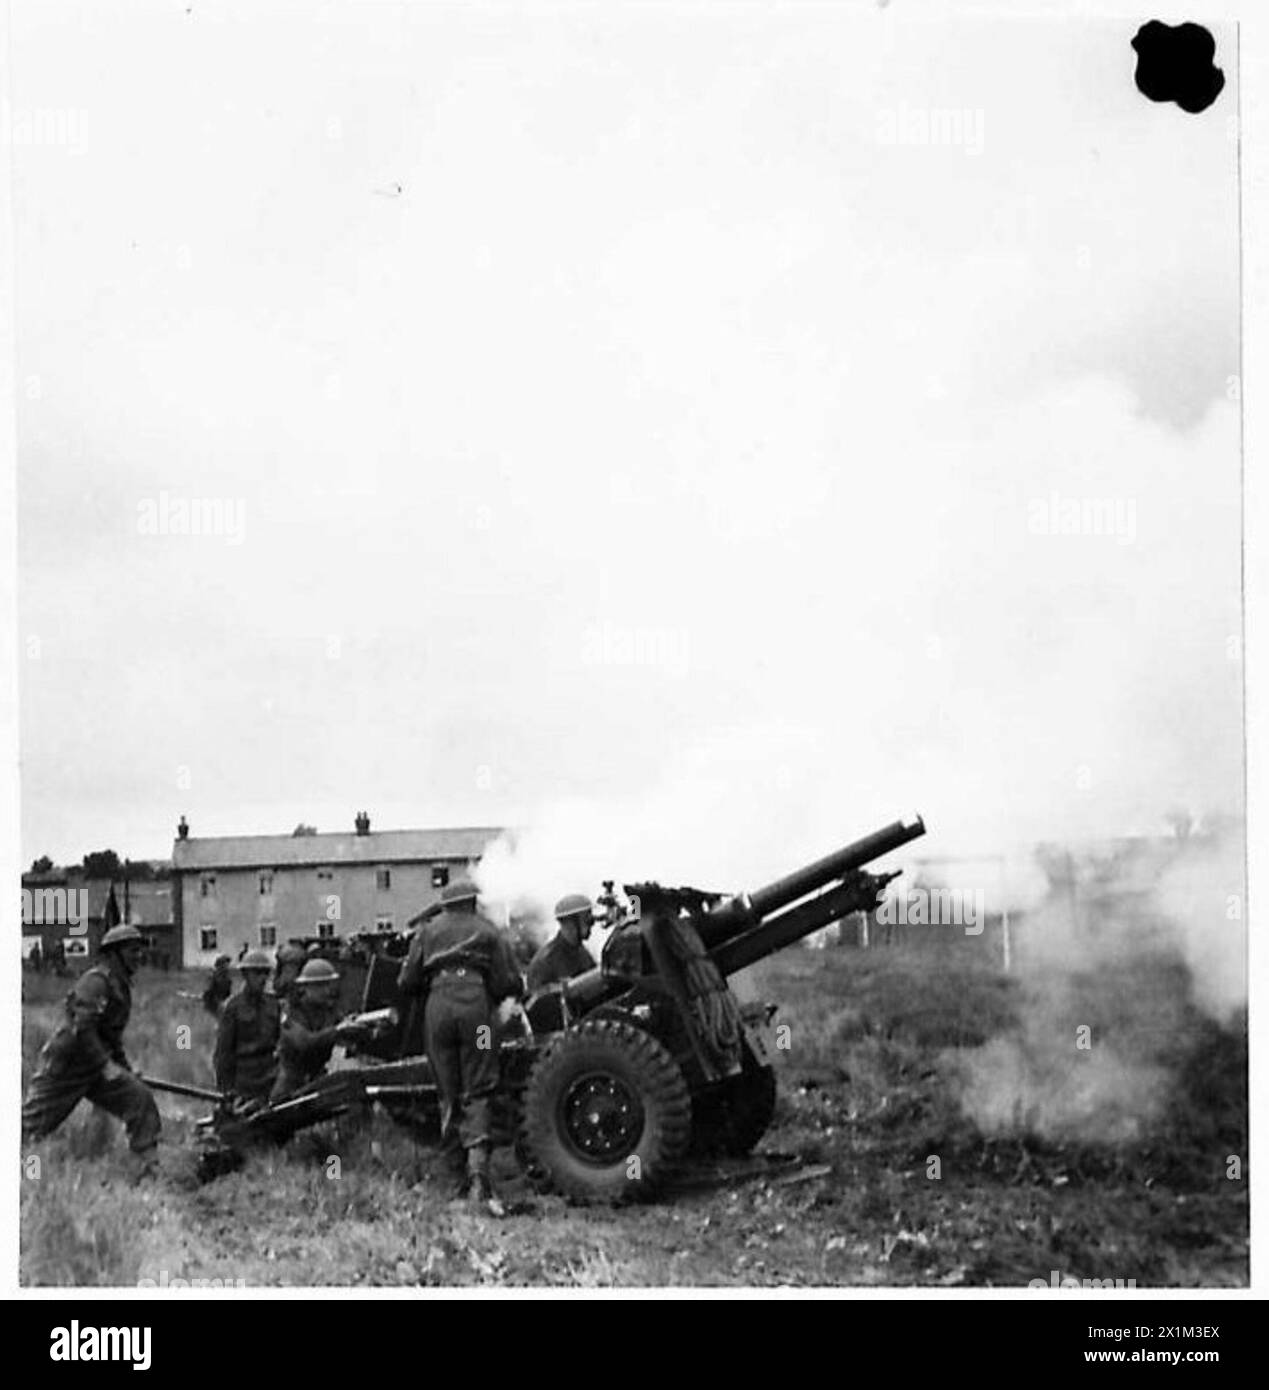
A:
(1130, 950)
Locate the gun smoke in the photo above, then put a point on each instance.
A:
(1131, 949)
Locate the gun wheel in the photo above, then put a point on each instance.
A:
(607, 1114)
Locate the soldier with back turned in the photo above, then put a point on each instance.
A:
(464, 965)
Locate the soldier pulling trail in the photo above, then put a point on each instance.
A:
(85, 1059)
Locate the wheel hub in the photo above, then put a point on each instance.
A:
(602, 1118)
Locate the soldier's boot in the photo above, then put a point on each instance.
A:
(452, 1163)
(479, 1189)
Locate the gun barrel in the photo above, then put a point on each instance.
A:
(742, 914)
(858, 894)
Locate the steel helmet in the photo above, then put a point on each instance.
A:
(222, 960)
(317, 972)
(121, 935)
(571, 904)
(255, 960)
(460, 891)
(291, 954)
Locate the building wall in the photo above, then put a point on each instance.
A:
(243, 910)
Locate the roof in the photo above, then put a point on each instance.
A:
(347, 847)
(149, 904)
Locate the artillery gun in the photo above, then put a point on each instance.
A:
(619, 1074)
(651, 1055)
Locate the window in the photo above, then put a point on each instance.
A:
(268, 933)
(76, 946)
(266, 884)
(207, 938)
(325, 928)
(383, 924)
(440, 875)
(383, 879)
(207, 886)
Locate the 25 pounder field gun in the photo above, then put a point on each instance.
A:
(653, 1056)
(623, 1071)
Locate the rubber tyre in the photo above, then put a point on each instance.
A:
(732, 1119)
(619, 1062)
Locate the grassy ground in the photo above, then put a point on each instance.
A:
(843, 1189)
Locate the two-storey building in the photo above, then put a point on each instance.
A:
(262, 890)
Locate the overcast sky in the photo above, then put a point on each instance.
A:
(634, 426)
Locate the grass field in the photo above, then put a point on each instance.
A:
(873, 1173)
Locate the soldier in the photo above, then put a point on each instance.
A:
(219, 987)
(564, 955)
(84, 1059)
(247, 1037)
(286, 970)
(464, 964)
(310, 1028)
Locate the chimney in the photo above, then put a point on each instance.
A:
(182, 829)
(362, 823)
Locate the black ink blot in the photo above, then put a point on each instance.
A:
(1175, 64)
